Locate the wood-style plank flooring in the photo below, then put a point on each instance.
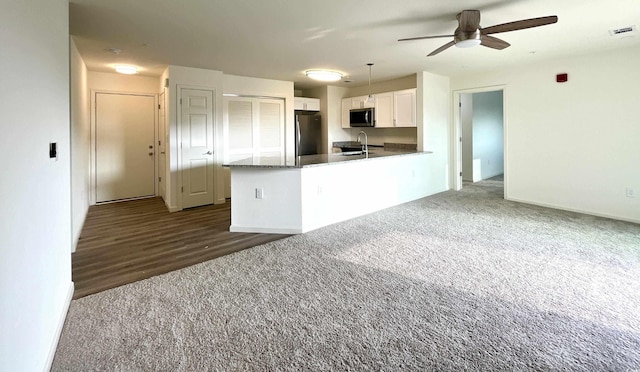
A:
(129, 241)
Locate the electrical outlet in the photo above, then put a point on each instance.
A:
(259, 193)
(631, 192)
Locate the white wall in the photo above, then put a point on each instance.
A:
(433, 116)
(488, 134)
(114, 82)
(297, 200)
(35, 217)
(466, 120)
(80, 143)
(571, 145)
(189, 77)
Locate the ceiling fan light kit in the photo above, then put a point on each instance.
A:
(470, 34)
(467, 39)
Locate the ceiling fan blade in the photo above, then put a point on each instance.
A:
(520, 25)
(493, 42)
(446, 46)
(469, 20)
(425, 37)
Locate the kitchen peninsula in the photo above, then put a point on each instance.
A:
(300, 194)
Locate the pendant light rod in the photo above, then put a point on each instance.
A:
(370, 98)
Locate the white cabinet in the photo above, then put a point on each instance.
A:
(384, 110)
(361, 102)
(307, 104)
(404, 108)
(346, 106)
(393, 109)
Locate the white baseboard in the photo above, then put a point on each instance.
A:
(264, 230)
(170, 208)
(63, 317)
(573, 210)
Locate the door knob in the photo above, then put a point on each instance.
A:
(207, 153)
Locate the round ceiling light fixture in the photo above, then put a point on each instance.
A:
(467, 39)
(323, 75)
(126, 69)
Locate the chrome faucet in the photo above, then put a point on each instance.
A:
(365, 148)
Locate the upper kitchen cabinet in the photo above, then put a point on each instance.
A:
(384, 110)
(346, 106)
(404, 108)
(306, 104)
(361, 102)
(393, 109)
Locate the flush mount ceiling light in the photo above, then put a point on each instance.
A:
(323, 75)
(126, 69)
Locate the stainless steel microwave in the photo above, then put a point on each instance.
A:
(364, 117)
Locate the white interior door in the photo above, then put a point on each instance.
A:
(124, 145)
(196, 128)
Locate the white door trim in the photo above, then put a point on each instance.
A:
(456, 146)
(179, 182)
(92, 151)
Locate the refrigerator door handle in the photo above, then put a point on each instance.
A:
(297, 139)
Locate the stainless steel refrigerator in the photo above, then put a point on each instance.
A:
(308, 134)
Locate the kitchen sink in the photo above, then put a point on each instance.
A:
(351, 153)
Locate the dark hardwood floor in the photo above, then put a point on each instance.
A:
(125, 242)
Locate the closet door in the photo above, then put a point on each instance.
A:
(254, 128)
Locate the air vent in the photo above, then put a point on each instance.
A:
(623, 32)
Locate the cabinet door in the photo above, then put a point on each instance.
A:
(357, 102)
(312, 104)
(298, 103)
(346, 106)
(384, 110)
(404, 102)
(367, 104)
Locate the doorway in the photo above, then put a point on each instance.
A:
(123, 146)
(480, 136)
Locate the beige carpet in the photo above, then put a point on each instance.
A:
(459, 280)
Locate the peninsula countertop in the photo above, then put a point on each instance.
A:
(316, 160)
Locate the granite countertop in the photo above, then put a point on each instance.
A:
(316, 160)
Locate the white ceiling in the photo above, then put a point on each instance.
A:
(280, 39)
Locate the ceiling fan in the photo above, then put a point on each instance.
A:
(469, 33)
